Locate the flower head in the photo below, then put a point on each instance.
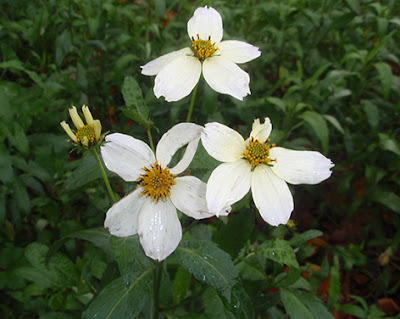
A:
(86, 135)
(260, 166)
(178, 72)
(150, 210)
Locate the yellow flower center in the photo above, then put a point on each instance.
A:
(86, 135)
(156, 182)
(257, 153)
(203, 48)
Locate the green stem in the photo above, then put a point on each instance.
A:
(156, 286)
(105, 178)
(192, 103)
(150, 139)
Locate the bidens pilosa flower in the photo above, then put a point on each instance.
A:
(177, 73)
(86, 135)
(150, 210)
(255, 163)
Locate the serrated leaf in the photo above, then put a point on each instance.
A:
(208, 264)
(86, 172)
(136, 106)
(299, 239)
(213, 266)
(385, 76)
(214, 306)
(241, 225)
(303, 305)
(181, 284)
(117, 301)
(318, 124)
(250, 268)
(280, 251)
(129, 256)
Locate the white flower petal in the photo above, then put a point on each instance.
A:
(97, 129)
(76, 119)
(225, 77)
(271, 196)
(126, 156)
(87, 114)
(175, 138)
(159, 229)
(178, 78)
(238, 51)
(155, 66)
(260, 131)
(68, 130)
(122, 217)
(300, 167)
(189, 196)
(222, 143)
(228, 183)
(206, 22)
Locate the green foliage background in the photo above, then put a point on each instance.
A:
(328, 78)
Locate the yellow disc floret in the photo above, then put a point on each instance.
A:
(258, 153)
(202, 49)
(156, 182)
(86, 135)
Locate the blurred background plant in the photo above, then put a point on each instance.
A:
(328, 78)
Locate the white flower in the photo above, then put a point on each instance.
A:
(264, 168)
(178, 72)
(150, 210)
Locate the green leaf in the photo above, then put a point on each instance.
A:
(334, 290)
(318, 124)
(86, 172)
(213, 266)
(372, 113)
(251, 268)
(388, 199)
(117, 301)
(214, 306)
(388, 144)
(335, 123)
(129, 256)
(278, 102)
(100, 237)
(299, 239)
(371, 55)
(303, 305)
(385, 76)
(280, 251)
(314, 78)
(181, 284)
(136, 107)
(241, 225)
(209, 264)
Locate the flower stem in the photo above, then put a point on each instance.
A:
(150, 139)
(192, 103)
(156, 286)
(104, 175)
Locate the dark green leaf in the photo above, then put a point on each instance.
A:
(318, 124)
(117, 301)
(279, 250)
(303, 305)
(129, 256)
(299, 239)
(136, 106)
(241, 225)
